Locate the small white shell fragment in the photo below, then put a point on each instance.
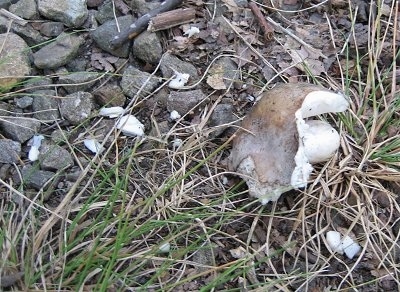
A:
(130, 126)
(238, 253)
(192, 31)
(93, 145)
(179, 81)
(350, 247)
(174, 115)
(165, 248)
(176, 143)
(111, 112)
(334, 243)
(33, 154)
(340, 245)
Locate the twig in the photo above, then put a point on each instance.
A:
(296, 38)
(171, 18)
(141, 24)
(14, 17)
(267, 29)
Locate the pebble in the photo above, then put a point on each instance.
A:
(72, 13)
(18, 128)
(10, 151)
(105, 32)
(15, 60)
(45, 105)
(170, 62)
(59, 52)
(147, 47)
(52, 28)
(77, 107)
(26, 9)
(54, 157)
(110, 95)
(133, 79)
(79, 81)
(35, 178)
(184, 101)
(24, 102)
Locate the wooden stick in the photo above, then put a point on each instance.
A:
(141, 24)
(267, 29)
(171, 18)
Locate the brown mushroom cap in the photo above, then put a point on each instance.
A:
(269, 139)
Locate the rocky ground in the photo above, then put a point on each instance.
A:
(58, 69)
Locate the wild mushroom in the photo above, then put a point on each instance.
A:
(274, 149)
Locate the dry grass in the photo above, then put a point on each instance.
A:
(107, 232)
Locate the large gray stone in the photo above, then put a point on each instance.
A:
(72, 13)
(147, 47)
(45, 105)
(133, 79)
(18, 128)
(58, 53)
(110, 95)
(54, 157)
(26, 9)
(35, 178)
(77, 107)
(9, 151)
(14, 58)
(184, 101)
(107, 31)
(78, 81)
(169, 63)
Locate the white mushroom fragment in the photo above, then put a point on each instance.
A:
(93, 145)
(111, 112)
(192, 31)
(276, 146)
(165, 247)
(341, 245)
(174, 115)
(33, 153)
(179, 81)
(130, 126)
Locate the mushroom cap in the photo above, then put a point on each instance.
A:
(263, 151)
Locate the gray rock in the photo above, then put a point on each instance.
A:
(14, 57)
(30, 35)
(26, 9)
(222, 114)
(19, 129)
(45, 105)
(72, 13)
(94, 3)
(9, 151)
(59, 52)
(170, 62)
(54, 157)
(37, 83)
(184, 101)
(142, 7)
(147, 47)
(5, 4)
(106, 12)
(110, 95)
(60, 136)
(35, 178)
(24, 102)
(133, 79)
(77, 65)
(76, 107)
(4, 109)
(226, 69)
(105, 32)
(52, 29)
(80, 81)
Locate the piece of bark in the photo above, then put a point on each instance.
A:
(171, 18)
(266, 28)
(141, 24)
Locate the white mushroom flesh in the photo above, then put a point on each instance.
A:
(130, 126)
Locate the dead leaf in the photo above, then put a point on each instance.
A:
(231, 5)
(100, 62)
(304, 61)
